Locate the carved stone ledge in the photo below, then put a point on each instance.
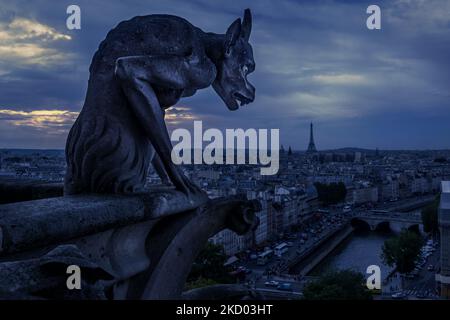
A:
(146, 243)
(30, 224)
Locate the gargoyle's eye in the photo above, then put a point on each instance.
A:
(244, 69)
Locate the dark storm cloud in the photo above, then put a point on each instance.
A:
(316, 61)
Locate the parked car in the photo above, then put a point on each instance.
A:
(271, 283)
(285, 287)
(244, 270)
(398, 295)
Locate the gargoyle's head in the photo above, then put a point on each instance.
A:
(231, 83)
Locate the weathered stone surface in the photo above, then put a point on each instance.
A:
(45, 277)
(148, 259)
(31, 224)
(180, 239)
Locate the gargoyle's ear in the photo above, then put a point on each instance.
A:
(246, 25)
(233, 33)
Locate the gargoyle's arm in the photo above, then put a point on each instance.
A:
(159, 168)
(136, 75)
(189, 73)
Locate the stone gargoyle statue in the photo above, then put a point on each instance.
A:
(144, 66)
(139, 246)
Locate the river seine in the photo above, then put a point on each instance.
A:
(357, 252)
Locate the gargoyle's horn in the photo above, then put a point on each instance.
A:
(246, 25)
(233, 33)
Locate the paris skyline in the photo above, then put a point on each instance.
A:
(385, 89)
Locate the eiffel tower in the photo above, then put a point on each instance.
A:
(311, 146)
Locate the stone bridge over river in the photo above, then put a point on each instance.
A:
(396, 221)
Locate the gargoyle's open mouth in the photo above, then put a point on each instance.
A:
(242, 99)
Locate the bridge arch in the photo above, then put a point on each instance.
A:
(398, 227)
(369, 224)
(360, 224)
(383, 226)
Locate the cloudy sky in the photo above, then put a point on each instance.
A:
(316, 61)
